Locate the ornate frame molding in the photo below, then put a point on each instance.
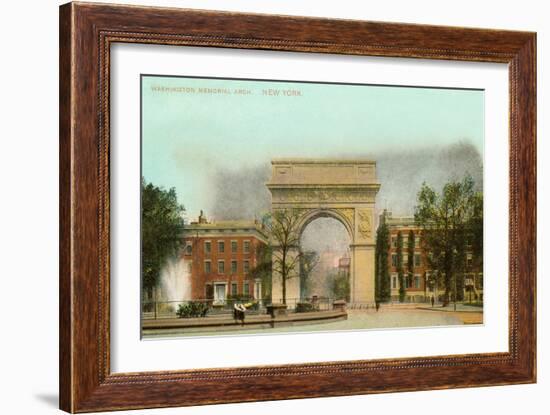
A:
(86, 33)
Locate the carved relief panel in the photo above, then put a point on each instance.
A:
(364, 224)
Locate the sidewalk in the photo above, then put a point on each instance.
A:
(451, 308)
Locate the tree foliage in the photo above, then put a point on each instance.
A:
(452, 223)
(161, 226)
(400, 272)
(476, 228)
(382, 272)
(262, 270)
(283, 228)
(410, 257)
(308, 261)
(340, 286)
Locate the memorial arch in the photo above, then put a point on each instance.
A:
(344, 190)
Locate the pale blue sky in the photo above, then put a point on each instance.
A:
(187, 136)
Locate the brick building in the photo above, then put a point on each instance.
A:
(220, 256)
(417, 285)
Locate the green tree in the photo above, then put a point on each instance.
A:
(161, 226)
(410, 257)
(476, 230)
(382, 281)
(400, 273)
(451, 221)
(283, 228)
(340, 286)
(308, 262)
(262, 270)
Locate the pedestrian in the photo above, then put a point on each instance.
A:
(243, 311)
(433, 300)
(238, 312)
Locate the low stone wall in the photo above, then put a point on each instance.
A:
(204, 324)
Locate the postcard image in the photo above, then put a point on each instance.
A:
(285, 206)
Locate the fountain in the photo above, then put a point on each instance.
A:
(175, 283)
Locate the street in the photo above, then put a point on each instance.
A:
(386, 317)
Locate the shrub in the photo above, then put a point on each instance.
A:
(304, 307)
(340, 287)
(148, 307)
(192, 309)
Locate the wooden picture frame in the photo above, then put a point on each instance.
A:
(86, 33)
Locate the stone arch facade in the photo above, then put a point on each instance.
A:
(341, 215)
(341, 189)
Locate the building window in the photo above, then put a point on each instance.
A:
(246, 247)
(394, 260)
(417, 241)
(246, 266)
(407, 281)
(188, 248)
(207, 247)
(221, 247)
(234, 289)
(394, 241)
(246, 288)
(234, 247)
(394, 282)
(417, 260)
(221, 267)
(417, 281)
(233, 267)
(207, 267)
(405, 259)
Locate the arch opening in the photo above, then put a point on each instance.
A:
(325, 266)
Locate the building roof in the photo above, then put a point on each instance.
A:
(386, 217)
(226, 227)
(401, 221)
(224, 224)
